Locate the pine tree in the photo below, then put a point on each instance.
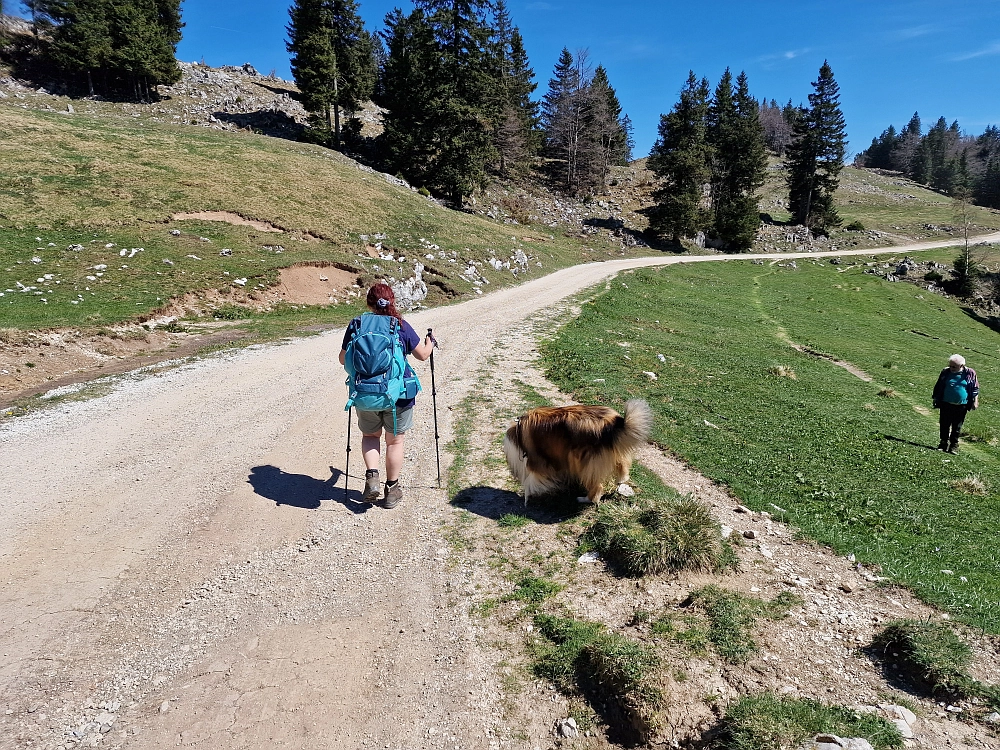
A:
(680, 159)
(816, 156)
(438, 131)
(126, 47)
(563, 112)
(515, 115)
(333, 62)
(739, 162)
(610, 124)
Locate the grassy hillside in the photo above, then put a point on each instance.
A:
(80, 180)
(853, 463)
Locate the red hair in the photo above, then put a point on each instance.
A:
(382, 301)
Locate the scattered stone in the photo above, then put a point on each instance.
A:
(848, 588)
(833, 742)
(164, 707)
(749, 534)
(589, 557)
(625, 491)
(992, 718)
(75, 248)
(743, 509)
(175, 232)
(567, 728)
(650, 375)
(225, 252)
(727, 531)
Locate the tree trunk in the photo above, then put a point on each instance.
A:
(329, 125)
(336, 113)
(90, 82)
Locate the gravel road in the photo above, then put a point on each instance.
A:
(179, 563)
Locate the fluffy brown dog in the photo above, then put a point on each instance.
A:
(553, 446)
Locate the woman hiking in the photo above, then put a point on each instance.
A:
(394, 421)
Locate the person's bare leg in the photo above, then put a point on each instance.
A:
(393, 455)
(371, 448)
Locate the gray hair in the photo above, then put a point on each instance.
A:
(957, 359)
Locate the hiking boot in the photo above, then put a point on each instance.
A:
(953, 447)
(372, 486)
(943, 445)
(392, 496)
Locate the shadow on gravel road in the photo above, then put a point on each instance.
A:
(303, 491)
(491, 502)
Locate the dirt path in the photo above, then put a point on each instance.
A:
(179, 564)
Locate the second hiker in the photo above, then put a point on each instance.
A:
(383, 387)
(956, 393)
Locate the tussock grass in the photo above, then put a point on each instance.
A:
(611, 669)
(971, 485)
(887, 393)
(782, 371)
(766, 722)
(732, 618)
(658, 531)
(533, 590)
(933, 657)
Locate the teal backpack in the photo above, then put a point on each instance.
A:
(376, 366)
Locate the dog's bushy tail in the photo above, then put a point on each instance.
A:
(638, 422)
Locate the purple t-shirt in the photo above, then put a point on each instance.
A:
(408, 338)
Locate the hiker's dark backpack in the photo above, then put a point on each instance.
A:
(376, 366)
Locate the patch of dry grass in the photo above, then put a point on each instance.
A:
(782, 371)
(973, 484)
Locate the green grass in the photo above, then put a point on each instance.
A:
(607, 667)
(853, 470)
(732, 618)
(766, 722)
(659, 531)
(934, 658)
(532, 590)
(513, 521)
(94, 181)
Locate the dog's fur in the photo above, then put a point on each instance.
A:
(551, 447)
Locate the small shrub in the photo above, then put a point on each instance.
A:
(512, 521)
(855, 226)
(934, 277)
(781, 371)
(424, 192)
(887, 393)
(971, 485)
(232, 312)
(767, 722)
(657, 535)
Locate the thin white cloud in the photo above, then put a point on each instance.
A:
(993, 49)
(786, 55)
(540, 6)
(913, 32)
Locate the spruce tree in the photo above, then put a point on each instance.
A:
(438, 89)
(563, 110)
(680, 158)
(816, 156)
(610, 124)
(739, 162)
(515, 114)
(333, 62)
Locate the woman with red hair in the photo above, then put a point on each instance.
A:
(395, 423)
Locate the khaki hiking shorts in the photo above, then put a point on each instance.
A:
(372, 422)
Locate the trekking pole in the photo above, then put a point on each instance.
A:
(347, 463)
(437, 450)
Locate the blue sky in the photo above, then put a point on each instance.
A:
(890, 57)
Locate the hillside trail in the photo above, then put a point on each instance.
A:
(180, 565)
